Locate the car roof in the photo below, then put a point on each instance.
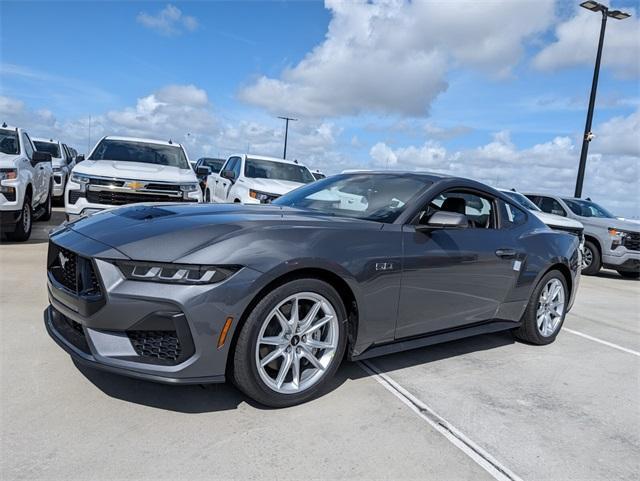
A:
(4, 126)
(42, 139)
(432, 176)
(139, 139)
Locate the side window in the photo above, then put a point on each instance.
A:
(551, 206)
(229, 164)
(67, 152)
(479, 209)
(511, 215)
(237, 166)
(28, 148)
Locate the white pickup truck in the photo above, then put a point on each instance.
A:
(255, 179)
(62, 162)
(25, 184)
(126, 170)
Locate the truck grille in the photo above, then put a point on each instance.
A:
(632, 241)
(74, 272)
(123, 198)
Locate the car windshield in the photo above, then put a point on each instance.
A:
(144, 152)
(9, 142)
(522, 200)
(377, 197)
(214, 164)
(48, 147)
(267, 169)
(586, 208)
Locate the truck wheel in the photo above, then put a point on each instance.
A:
(207, 196)
(47, 205)
(630, 274)
(23, 227)
(591, 261)
(291, 344)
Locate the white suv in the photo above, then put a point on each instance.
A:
(126, 170)
(25, 183)
(62, 162)
(255, 179)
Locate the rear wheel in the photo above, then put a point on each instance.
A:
(47, 204)
(207, 196)
(22, 231)
(591, 260)
(291, 344)
(546, 310)
(630, 274)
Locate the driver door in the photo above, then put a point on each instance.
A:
(455, 277)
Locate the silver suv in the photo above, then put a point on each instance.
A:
(609, 242)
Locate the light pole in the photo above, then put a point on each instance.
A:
(286, 133)
(606, 13)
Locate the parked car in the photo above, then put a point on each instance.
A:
(255, 179)
(26, 186)
(609, 242)
(272, 296)
(62, 161)
(318, 175)
(127, 170)
(555, 222)
(212, 166)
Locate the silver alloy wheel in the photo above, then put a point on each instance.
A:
(26, 216)
(297, 342)
(550, 307)
(587, 257)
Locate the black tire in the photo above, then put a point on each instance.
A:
(596, 260)
(630, 274)
(48, 205)
(22, 231)
(207, 196)
(528, 330)
(245, 372)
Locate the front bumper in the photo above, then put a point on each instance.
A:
(622, 258)
(102, 326)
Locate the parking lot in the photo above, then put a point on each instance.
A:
(480, 408)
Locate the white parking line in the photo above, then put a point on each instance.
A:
(601, 341)
(454, 435)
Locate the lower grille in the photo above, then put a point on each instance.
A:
(74, 195)
(123, 198)
(632, 241)
(70, 330)
(161, 345)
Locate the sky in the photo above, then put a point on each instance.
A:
(495, 90)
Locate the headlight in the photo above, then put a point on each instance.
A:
(263, 197)
(80, 178)
(617, 237)
(175, 273)
(189, 187)
(57, 169)
(8, 174)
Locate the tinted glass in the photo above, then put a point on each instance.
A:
(318, 175)
(49, 147)
(551, 206)
(522, 200)
(266, 169)
(9, 142)
(513, 215)
(214, 164)
(378, 197)
(586, 208)
(478, 209)
(146, 153)
(28, 149)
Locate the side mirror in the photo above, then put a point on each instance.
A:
(203, 170)
(79, 158)
(38, 157)
(445, 220)
(229, 174)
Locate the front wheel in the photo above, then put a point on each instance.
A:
(22, 231)
(546, 310)
(207, 196)
(291, 344)
(591, 261)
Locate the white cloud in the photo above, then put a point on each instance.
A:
(577, 41)
(613, 166)
(168, 21)
(391, 56)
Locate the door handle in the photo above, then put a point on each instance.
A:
(506, 253)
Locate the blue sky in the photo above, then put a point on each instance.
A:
(491, 90)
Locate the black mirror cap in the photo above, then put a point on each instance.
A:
(79, 157)
(229, 174)
(203, 170)
(38, 157)
(445, 220)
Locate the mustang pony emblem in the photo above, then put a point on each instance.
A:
(63, 259)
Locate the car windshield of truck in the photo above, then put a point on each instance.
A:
(143, 152)
(9, 142)
(586, 208)
(48, 147)
(214, 164)
(267, 169)
(377, 197)
(522, 200)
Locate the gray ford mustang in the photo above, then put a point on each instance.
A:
(274, 296)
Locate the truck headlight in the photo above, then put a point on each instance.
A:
(617, 237)
(8, 174)
(263, 197)
(175, 273)
(80, 178)
(189, 187)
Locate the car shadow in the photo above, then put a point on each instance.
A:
(39, 230)
(197, 399)
(609, 274)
